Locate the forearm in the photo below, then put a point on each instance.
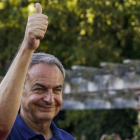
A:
(11, 88)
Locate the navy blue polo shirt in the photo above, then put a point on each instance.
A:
(21, 131)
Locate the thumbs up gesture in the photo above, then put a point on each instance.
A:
(35, 30)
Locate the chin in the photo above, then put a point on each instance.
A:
(45, 117)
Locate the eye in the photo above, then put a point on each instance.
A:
(39, 89)
(57, 90)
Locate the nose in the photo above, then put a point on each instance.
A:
(48, 97)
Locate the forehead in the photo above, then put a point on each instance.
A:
(45, 72)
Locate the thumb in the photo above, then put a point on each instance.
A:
(38, 9)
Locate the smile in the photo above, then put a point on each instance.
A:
(46, 108)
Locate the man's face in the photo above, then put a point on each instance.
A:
(42, 94)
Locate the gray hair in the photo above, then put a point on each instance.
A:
(46, 59)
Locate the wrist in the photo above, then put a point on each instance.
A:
(26, 47)
(23, 49)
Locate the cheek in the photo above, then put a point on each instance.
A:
(33, 98)
(59, 99)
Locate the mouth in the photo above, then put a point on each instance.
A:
(46, 108)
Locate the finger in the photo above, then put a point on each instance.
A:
(38, 9)
(35, 21)
(38, 16)
(42, 16)
(37, 34)
(31, 28)
(40, 34)
(42, 27)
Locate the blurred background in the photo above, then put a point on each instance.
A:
(97, 41)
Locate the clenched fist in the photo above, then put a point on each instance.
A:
(35, 30)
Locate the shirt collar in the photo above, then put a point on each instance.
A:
(56, 132)
(30, 133)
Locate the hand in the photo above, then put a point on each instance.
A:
(103, 136)
(36, 28)
(116, 136)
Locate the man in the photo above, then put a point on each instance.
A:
(35, 88)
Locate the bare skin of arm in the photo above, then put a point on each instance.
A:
(12, 85)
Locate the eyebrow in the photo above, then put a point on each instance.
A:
(59, 86)
(38, 84)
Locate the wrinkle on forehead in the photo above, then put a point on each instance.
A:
(49, 67)
(41, 67)
(49, 74)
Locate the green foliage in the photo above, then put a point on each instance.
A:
(136, 132)
(94, 123)
(80, 32)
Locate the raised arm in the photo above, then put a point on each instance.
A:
(11, 86)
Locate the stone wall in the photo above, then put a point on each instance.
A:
(111, 86)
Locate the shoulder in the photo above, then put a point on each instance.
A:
(61, 133)
(66, 135)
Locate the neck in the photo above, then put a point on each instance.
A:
(39, 127)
